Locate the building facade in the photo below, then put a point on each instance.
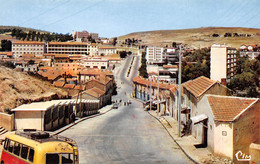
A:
(95, 62)
(67, 48)
(222, 63)
(154, 55)
(22, 47)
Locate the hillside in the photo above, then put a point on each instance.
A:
(25, 29)
(18, 88)
(196, 38)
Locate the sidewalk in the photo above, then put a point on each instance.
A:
(197, 155)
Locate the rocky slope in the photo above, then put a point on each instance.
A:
(18, 88)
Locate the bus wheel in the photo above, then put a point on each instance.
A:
(2, 162)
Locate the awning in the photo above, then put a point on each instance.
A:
(185, 110)
(198, 118)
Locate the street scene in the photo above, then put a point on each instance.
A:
(129, 82)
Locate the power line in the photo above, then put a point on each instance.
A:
(44, 12)
(66, 17)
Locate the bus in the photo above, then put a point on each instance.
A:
(32, 146)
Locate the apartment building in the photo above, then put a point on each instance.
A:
(222, 63)
(67, 48)
(27, 47)
(171, 54)
(252, 51)
(154, 55)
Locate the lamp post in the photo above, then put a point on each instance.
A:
(150, 90)
(158, 93)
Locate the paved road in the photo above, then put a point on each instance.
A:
(125, 135)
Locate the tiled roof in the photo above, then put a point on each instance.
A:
(78, 87)
(99, 91)
(145, 82)
(6, 53)
(92, 93)
(69, 86)
(199, 85)
(28, 42)
(170, 66)
(58, 84)
(227, 108)
(67, 43)
(52, 76)
(28, 55)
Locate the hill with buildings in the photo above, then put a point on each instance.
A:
(197, 38)
(18, 88)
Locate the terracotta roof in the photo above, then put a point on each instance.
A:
(170, 66)
(61, 56)
(154, 84)
(58, 84)
(99, 91)
(67, 43)
(52, 76)
(78, 87)
(28, 42)
(28, 55)
(106, 47)
(48, 54)
(6, 53)
(199, 85)
(46, 68)
(92, 93)
(227, 108)
(69, 86)
(90, 72)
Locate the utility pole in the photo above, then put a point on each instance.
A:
(150, 95)
(179, 95)
(158, 93)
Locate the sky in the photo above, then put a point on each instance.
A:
(112, 18)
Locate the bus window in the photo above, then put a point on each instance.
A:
(6, 144)
(31, 154)
(11, 146)
(24, 151)
(66, 158)
(52, 158)
(17, 147)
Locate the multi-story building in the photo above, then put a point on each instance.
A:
(27, 47)
(252, 51)
(222, 63)
(106, 50)
(67, 48)
(171, 55)
(95, 62)
(154, 55)
(81, 36)
(94, 36)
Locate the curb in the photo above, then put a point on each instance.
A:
(80, 120)
(193, 160)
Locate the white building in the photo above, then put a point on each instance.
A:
(27, 47)
(106, 50)
(95, 62)
(222, 63)
(154, 55)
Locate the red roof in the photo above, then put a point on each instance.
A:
(69, 86)
(227, 108)
(78, 87)
(58, 84)
(199, 85)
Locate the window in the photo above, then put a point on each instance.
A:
(31, 155)
(11, 146)
(17, 147)
(52, 158)
(24, 151)
(66, 158)
(224, 133)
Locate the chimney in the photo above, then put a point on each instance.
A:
(223, 81)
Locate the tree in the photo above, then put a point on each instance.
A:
(122, 54)
(13, 32)
(6, 45)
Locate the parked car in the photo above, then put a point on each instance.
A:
(115, 106)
